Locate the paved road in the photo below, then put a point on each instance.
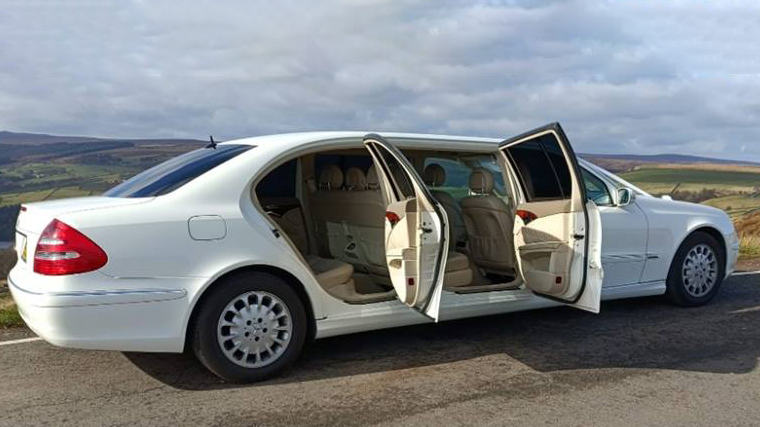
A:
(640, 362)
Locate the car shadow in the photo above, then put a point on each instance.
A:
(723, 337)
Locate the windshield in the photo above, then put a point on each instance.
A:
(174, 173)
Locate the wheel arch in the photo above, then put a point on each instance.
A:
(292, 280)
(711, 231)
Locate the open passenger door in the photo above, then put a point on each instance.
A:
(415, 230)
(557, 230)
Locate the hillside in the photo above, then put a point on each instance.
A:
(619, 163)
(666, 158)
(22, 138)
(35, 167)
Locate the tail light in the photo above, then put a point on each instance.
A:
(63, 250)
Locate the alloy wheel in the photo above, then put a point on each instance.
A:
(699, 271)
(254, 329)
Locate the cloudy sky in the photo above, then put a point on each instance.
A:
(622, 76)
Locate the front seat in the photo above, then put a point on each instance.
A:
(434, 176)
(489, 226)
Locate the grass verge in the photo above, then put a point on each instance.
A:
(9, 317)
(749, 246)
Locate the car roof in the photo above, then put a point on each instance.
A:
(302, 138)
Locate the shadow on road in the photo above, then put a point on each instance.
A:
(723, 337)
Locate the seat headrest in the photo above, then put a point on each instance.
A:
(434, 175)
(330, 177)
(373, 182)
(481, 181)
(355, 179)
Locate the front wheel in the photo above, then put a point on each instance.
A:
(251, 327)
(697, 271)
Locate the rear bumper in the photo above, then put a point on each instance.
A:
(129, 320)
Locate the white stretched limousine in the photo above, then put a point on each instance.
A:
(245, 250)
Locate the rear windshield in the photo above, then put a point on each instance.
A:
(174, 173)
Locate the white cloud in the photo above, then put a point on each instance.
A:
(622, 76)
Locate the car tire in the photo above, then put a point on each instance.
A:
(230, 352)
(697, 271)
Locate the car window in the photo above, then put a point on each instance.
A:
(281, 182)
(541, 168)
(489, 162)
(596, 190)
(174, 173)
(458, 171)
(457, 176)
(398, 175)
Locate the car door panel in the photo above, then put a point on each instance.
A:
(557, 232)
(415, 230)
(623, 229)
(625, 244)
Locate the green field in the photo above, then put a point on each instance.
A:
(736, 205)
(40, 195)
(663, 180)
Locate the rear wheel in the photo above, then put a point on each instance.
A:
(697, 271)
(251, 327)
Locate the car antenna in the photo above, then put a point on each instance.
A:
(211, 144)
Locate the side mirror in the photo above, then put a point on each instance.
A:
(625, 196)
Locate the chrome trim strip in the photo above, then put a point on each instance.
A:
(99, 297)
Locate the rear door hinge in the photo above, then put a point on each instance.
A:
(276, 232)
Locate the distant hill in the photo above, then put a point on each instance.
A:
(21, 138)
(665, 158)
(620, 163)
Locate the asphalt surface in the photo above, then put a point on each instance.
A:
(640, 362)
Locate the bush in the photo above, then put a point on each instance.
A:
(696, 196)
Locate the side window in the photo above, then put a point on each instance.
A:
(489, 162)
(455, 178)
(281, 182)
(596, 190)
(557, 157)
(398, 175)
(541, 168)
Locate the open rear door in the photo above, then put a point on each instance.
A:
(415, 230)
(557, 231)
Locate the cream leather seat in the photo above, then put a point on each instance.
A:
(435, 176)
(457, 272)
(489, 226)
(326, 209)
(335, 277)
(365, 214)
(331, 273)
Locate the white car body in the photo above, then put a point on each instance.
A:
(143, 298)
